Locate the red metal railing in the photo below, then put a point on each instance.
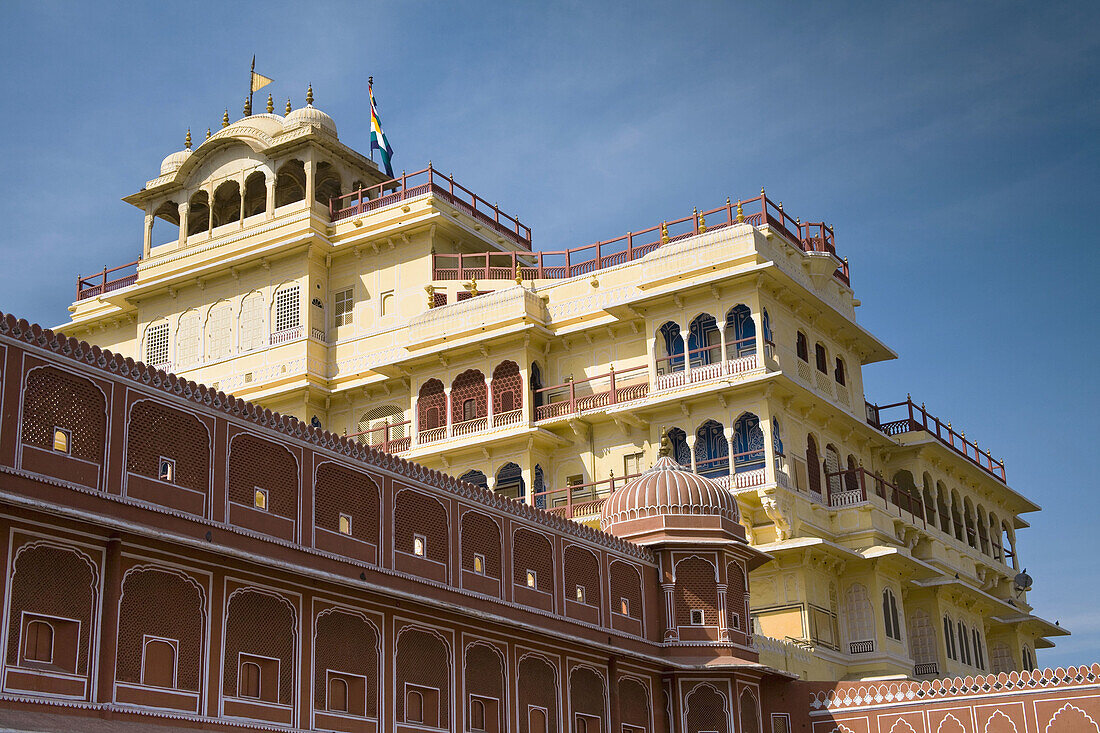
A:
(579, 499)
(601, 390)
(850, 486)
(917, 418)
(383, 437)
(431, 181)
(89, 286)
(810, 237)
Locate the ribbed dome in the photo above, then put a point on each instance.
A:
(667, 489)
(172, 163)
(310, 115)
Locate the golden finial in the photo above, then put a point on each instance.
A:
(309, 95)
(948, 424)
(665, 448)
(664, 233)
(430, 290)
(519, 275)
(473, 287)
(702, 224)
(780, 205)
(762, 192)
(908, 397)
(248, 107)
(740, 212)
(798, 221)
(225, 118)
(288, 107)
(187, 140)
(208, 133)
(270, 104)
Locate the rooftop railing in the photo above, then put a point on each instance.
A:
(389, 437)
(579, 500)
(89, 286)
(759, 211)
(429, 180)
(909, 417)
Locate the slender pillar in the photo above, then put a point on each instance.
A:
(311, 180)
(147, 238)
(489, 400)
(691, 448)
(240, 200)
(728, 432)
(687, 356)
(447, 394)
(210, 210)
(270, 208)
(184, 209)
(723, 615)
(651, 349)
(769, 444)
(671, 632)
(722, 335)
(415, 437)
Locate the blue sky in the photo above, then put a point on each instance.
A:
(954, 146)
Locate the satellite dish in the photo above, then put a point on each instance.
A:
(1022, 581)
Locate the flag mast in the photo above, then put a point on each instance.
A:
(251, 81)
(370, 95)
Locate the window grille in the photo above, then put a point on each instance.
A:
(189, 339)
(343, 310)
(156, 345)
(696, 617)
(219, 331)
(287, 305)
(252, 322)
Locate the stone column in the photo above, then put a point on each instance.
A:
(651, 352)
(729, 433)
(147, 238)
(769, 445)
(687, 357)
(489, 401)
(310, 167)
(240, 200)
(210, 210)
(671, 632)
(270, 208)
(491, 481)
(447, 395)
(184, 209)
(691, 449)
(723, 615)
(722, 335)
(414, 439)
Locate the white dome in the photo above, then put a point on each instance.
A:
(310, 115)
(172, 163)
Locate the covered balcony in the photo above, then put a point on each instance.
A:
(472, 404)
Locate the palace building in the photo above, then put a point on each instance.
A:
(413, 318)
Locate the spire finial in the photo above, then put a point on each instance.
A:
(665, 448)
(225, 118)
(288, 107)
(664, 233)
(740, 212)
(309, 95)
(248, 106)
(762, 191)
(270, 104)
(208, 133)
(187, 140)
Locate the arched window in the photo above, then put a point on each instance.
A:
(227, 203)
(968, 518)
(832, 470)
(431, 405)
(328, 183)
(219, 331)
(158, 668)
(168, 212)
(922, 638)
(477, 714)
(949, 638)
(750, 716)
(858, 614)
(1029, 659)
(290, 183)
(964, 643)
(156, 345)
(712, 457)
(189, 339)
(748, 443)
(536, 385)
(704, 341)
(979, 656)
(414, 707)
(766, 326)
(198, 213)
(253, 333)
(821, 358)
(337, 695)
(740, 326)
(673, 358)
(813, 465)
(249, 680)
(469, 396)
(802, 347)
(475, 477)
(38, 644)
(838, 373)
(255, 194)
(507, 388)
(777, 439)
(890, 615)
(680, 452)
(287, 309)
(510, 482)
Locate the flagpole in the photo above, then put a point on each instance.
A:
(370, 98)
(250, 78)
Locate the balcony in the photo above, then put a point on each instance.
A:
(928, 669)
(114, 278)
(430, 181)
(388, 438)
(907, 417)
(858, 486)
(861, 647)
(578, 396)
(733, 359)
(551, 265)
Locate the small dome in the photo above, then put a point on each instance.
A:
(172, 163)
(667, 489)
(310, 115)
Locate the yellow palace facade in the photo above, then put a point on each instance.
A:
(281, 266)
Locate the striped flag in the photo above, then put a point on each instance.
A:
(378, 139)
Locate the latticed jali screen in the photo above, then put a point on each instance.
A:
(582, 569)
(258, 463)
(52, 581)
(470, 385)
(343, 491)
(345, 642)
(156, 431)
(634, 705)
(538, 687)
(146, 594)
(532, 551)
(484, 672)
(423, 660)
(735, 597)
(431, 405)
(626, 582)
(507, 388)
(55, 399)
(695, 590)
(417, 514)
(481, 536)
(264, 625)
(586, 693)
(706, 710)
